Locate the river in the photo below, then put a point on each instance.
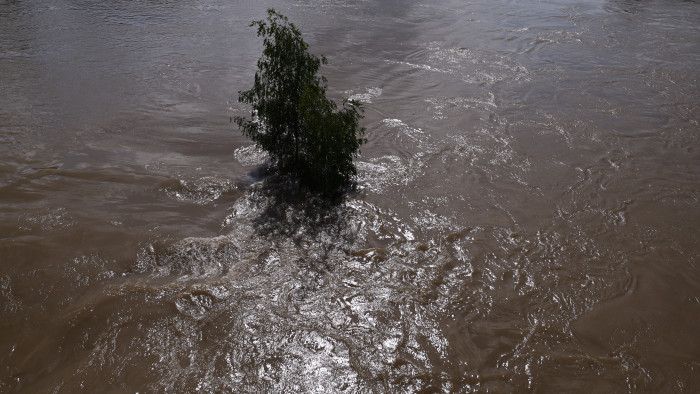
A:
(525, 217)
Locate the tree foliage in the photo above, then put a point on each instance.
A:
(303, 131)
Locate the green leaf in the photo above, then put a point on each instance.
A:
(303, 131)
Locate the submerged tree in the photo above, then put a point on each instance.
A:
(303, 131)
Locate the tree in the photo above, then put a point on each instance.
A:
(302, 130)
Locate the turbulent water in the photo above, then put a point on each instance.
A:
(525, 218)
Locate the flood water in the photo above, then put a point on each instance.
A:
(525, 218)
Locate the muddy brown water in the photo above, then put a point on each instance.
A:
(526, 216)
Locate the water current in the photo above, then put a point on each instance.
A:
(525, 218)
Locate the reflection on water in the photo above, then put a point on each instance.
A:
(524, 218)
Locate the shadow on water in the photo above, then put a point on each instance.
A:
(287, 210)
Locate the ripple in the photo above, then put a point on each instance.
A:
(201, 190)
(378, 174)
(47, 221)
(251, 155)
(367, 96)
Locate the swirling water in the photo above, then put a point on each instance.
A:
(525, 216)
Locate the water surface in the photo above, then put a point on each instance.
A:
(525, 217)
